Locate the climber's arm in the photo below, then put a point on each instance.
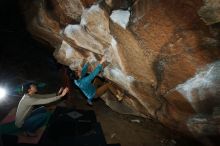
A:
(84, 70)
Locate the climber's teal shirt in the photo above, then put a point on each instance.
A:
(85, 82)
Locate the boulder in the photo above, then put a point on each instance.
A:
(162, 54)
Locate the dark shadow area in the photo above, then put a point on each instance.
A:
(67, 127)
(22, 59)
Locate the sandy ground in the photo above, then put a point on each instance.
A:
(130, 130)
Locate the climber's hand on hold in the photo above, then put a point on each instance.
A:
(102, 60)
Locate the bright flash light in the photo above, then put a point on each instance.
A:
(3, 93)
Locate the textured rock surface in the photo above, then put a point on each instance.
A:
(160, 53)
(210, 12)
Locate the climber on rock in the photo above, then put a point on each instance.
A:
(86, 84)
(31, 120)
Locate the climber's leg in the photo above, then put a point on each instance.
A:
(109, 86)
(97, 82)
(101, 90)
(119, 95)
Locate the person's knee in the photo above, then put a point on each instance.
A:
(35, 122)
(41, 120)
(43, 116)
(39, 110)
(43, 109)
